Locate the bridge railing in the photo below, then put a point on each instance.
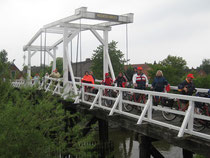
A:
(148, 108)
(95, 96)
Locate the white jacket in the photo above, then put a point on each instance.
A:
(136, 76)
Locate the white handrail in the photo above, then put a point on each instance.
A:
(56, 87)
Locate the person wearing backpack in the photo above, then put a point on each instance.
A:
(159, 82)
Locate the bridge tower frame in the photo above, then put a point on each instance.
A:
(70, 30)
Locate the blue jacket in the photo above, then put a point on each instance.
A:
(159, 84)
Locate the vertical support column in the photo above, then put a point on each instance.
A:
(54, 59)
(105, 62)
(103, 136)
(187, 153)
(103, 131)
(144, 147)
(65, 51)
(29, 65)
(67, 65)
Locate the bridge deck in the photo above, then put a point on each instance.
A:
(189, 142)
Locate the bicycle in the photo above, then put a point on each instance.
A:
(107, 102)
(138, 98)
(182, 105)
(86, 96)
(203, 109)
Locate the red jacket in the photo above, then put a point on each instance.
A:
(87, 79)
(108, 81)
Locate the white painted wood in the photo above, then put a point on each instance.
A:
(105, 50)
(85, 26)
(29, 65)
(115, 105)
(33, 39)
(186, 120)
(54, 59)
(98, 36)
(148, 104)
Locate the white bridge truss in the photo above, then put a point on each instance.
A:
(57, 86)
(69, 28)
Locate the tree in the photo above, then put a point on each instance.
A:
(4, 65)
(59, 65)
(205, 66)
(129, 72)
(116, 56)
(173, 67)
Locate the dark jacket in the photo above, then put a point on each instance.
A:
(120, 81)
(189, 85)
(159, 84)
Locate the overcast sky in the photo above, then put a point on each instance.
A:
(160, 28)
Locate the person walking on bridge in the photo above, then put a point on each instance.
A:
(159, 82)
(87, 78)
(108, 80)
(55, 74)
(91, 73)
(187, 87)
(140, 80)
(121, 80)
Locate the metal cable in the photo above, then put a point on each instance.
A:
(80, 49)
(45, 40)
(127, 43)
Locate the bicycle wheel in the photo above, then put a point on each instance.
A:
(108, 102)
(198, 125)
(127, 107)
(86, 97)
(167, 115)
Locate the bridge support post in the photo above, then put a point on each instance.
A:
(187, 153)
(105, 62)
(146, 149)
(29, 65)
(103, 136)
(54, 59)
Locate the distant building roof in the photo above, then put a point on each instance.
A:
(145, 67)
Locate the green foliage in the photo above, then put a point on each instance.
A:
(129, 73)
(173, 68)
(32, 123)
(202, 81)
(4, 65)
(199, 156)
(205, 65)
(59, 65)
(116, 56)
